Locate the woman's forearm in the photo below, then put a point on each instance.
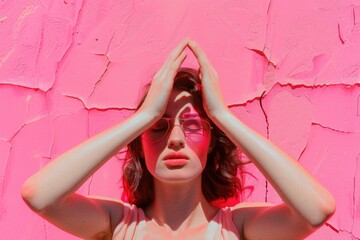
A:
(60, 178)
(65, 174)
(299, 190)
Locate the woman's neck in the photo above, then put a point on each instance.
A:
(180, 206)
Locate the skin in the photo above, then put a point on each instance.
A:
(179, 204)
(180, 185)
(179, 105)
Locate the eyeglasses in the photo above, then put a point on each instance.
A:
(195, 129)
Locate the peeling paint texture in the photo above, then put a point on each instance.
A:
(70, 69)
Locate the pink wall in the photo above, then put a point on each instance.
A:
(290, 69)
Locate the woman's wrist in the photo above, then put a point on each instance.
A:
(219, 116)
(148, 115)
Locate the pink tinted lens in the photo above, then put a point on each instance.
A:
(194, 129)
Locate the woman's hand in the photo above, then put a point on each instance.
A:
(161, 86)
(213, 101)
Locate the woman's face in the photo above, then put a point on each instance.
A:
(177, 155)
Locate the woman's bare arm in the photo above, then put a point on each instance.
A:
(50, 192)
(307, 203)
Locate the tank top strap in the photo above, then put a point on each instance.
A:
(133, 224)
(222, 226)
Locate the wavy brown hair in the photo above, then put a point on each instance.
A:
(220, 178)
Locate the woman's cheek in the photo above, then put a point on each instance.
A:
(151, 154)
(201, 149)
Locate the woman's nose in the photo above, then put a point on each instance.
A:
(176, 137)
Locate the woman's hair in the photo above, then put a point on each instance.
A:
(220, 178)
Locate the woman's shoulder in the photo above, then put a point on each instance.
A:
(245, 210)
(114, 207)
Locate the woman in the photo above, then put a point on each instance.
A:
(174, 145)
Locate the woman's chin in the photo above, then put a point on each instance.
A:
(177, 175)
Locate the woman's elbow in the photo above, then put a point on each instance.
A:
(29, 195)
(326, 210)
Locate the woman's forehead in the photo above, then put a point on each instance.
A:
(180, 105)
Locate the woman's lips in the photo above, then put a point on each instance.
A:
(175, 159)
(174, 162)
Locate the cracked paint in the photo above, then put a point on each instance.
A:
(267, 136)
(70, 69)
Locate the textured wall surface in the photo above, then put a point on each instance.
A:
(289, 69)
